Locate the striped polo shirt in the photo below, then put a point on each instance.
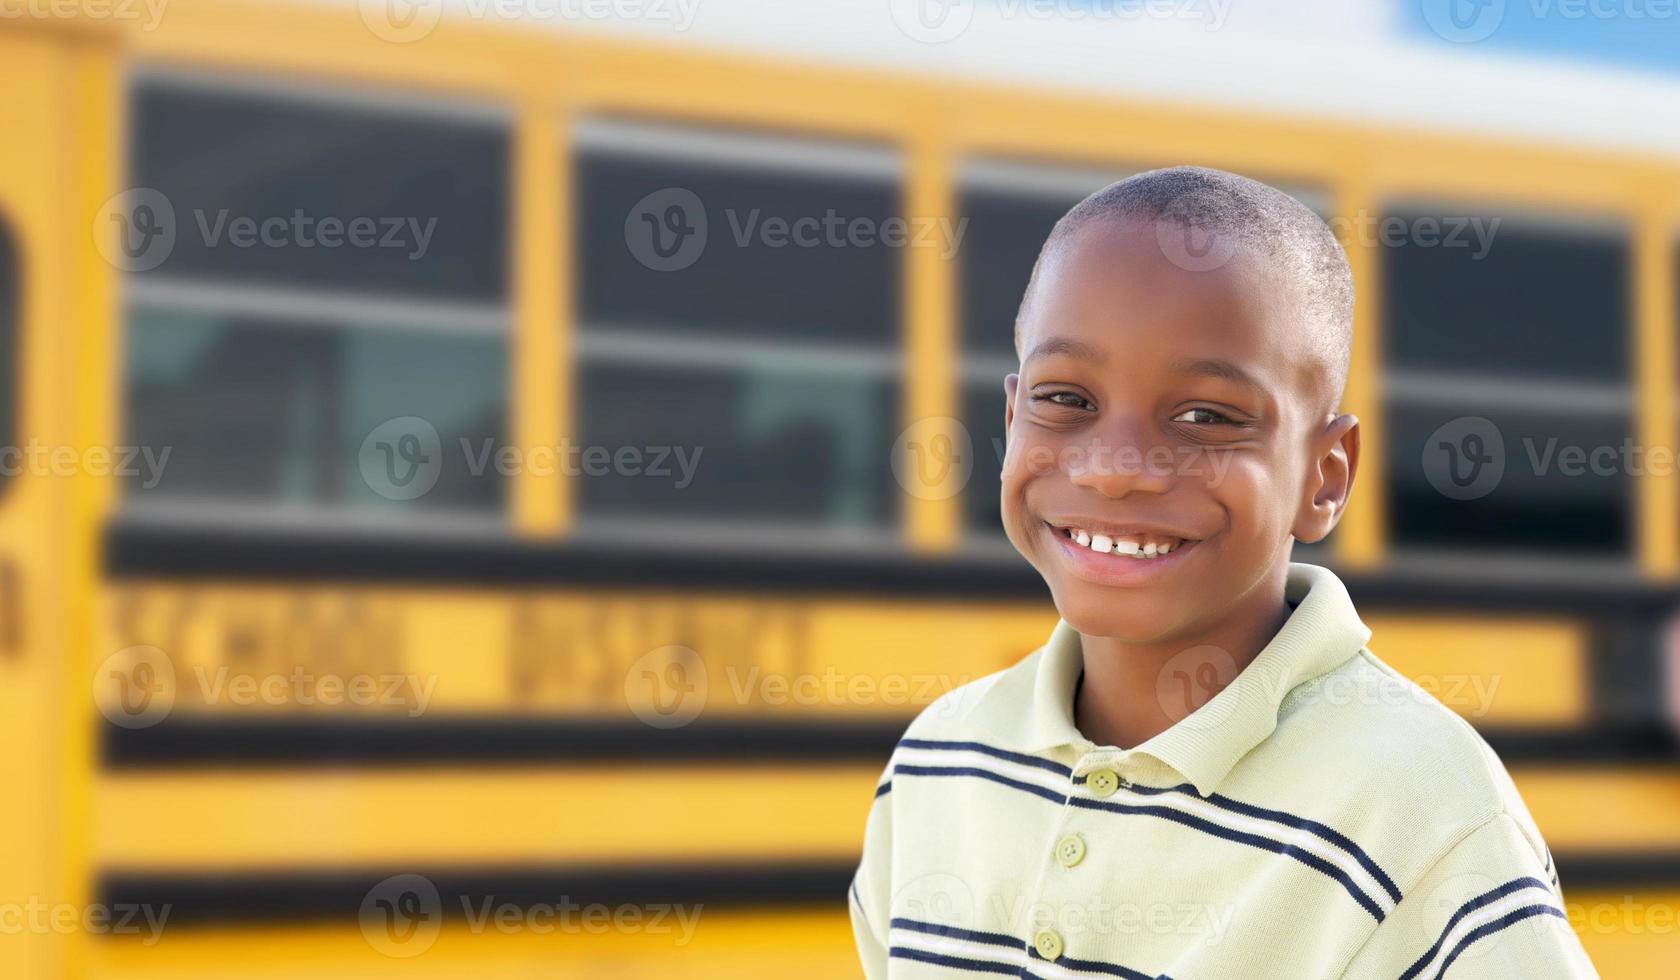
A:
(1320, 817)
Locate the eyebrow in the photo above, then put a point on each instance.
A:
(1067, 348)
(1223, 370)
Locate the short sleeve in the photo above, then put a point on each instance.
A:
(1489, 909)
(870, 895)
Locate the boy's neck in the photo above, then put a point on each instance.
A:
(1119, 700)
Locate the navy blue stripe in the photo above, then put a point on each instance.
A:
(1486, 898)
(1265, 843)
(1497, 925)
(954, 932)
(1038, 791)
(1307, 858)
(1008, 942)
(1022, 758)
(954, 962)
(883, 789)
(1092, 966)
(1324, 832)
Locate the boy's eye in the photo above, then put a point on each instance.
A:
(1066, 399)
(1202, 416)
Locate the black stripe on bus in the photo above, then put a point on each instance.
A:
(222, 898)
(136, 549)
(233, 898)
(188, 742)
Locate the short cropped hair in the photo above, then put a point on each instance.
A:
(1237, 213)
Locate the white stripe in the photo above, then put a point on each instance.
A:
(1014, 957)
(1301, 839)
(1475, 920)
(1060, 785)
(1183, 803)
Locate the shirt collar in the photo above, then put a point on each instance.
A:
(1321, 633)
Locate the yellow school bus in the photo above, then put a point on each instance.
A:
(401, 532)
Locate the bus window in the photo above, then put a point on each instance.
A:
(1505, 387)
(739, 308)
(1009, 208)
(329, 328)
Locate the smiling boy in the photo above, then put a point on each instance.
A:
(1203, 773)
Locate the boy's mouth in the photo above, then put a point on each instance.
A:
(1139, 545)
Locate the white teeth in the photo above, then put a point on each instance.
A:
(1104, 544)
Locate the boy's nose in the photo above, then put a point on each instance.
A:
(1123, 462)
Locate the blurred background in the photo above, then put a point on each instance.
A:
(484, 483)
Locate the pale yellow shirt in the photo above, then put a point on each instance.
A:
(1321, 817)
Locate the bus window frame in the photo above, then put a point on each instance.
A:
(354, 310)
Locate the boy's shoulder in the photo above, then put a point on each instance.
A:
(1368, 735)
(975, 709)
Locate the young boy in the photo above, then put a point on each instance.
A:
(1203, 775)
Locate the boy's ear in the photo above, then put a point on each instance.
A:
(1011, 382)
(1334, 456)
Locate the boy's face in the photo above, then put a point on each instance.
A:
(1166, 409)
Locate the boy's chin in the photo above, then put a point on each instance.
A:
(1108, 612)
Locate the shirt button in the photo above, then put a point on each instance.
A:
(1070, 850)
(1048, 944)
(1103, 782)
